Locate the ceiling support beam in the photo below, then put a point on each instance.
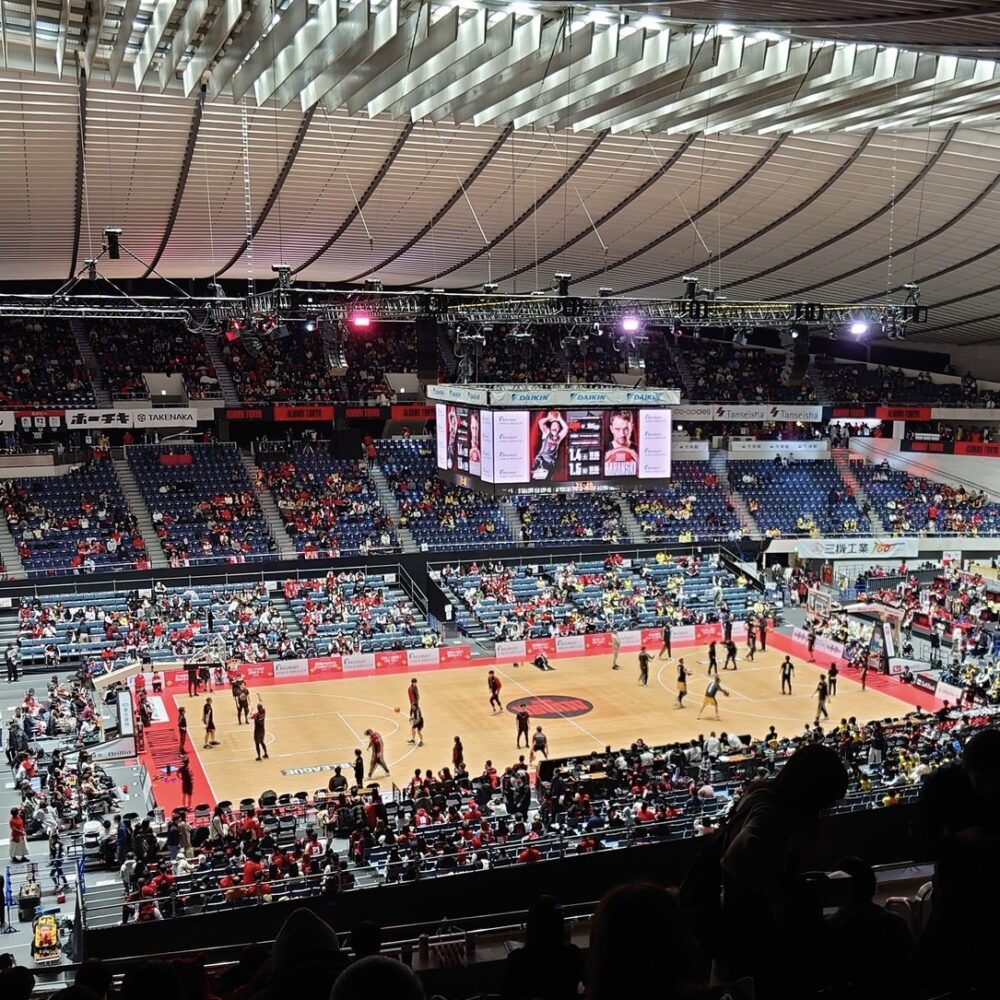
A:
(61, 37)
(363, 200)
(449, 204)
(95, 21)
(652, 179)
(692, 219)
(193, 17)
(256, 19)
(121, 38)
(770, 227)
(279, 183)
(151, 40)
(559, 183)
(81, 156)
(175, 206)
(867, 220)
(226, 19)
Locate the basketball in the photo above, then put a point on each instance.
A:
(726, 693)
(397, 710)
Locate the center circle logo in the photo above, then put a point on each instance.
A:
(552, 706)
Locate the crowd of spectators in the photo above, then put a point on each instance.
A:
(911, 504)
(126, 349)
(330, 507)
(694, 507)
(40, 365)
(568, 518)
(74, 523)
(722, 374)
(295, 368)
(859, 384)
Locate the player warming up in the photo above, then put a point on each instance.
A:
(666, 643)
(539, 745)
(493, 683)
(644, 659)
(259, 732)
(682, 684)
(712, 696)
(377, 747)
(522, 726)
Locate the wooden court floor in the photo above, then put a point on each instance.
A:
(321, 722)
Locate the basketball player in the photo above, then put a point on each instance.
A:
(522, 725)
(787, 670)
(713, 659)
(666, 642)
(644, 659)
(682, 686)
(208, 720)
(182, 730)
(553, 430)
(258, 729)
(712, 696)
(243, 704)
(413, 694)
(539, 744)
(493, 683)
(810, 643)
(730, 655)
(822, 692)
(751, 642)
(377, 747)
(416, 725)
(864, 674)
(762, 628)
(621, 459)
(832, 678)
(616, 647)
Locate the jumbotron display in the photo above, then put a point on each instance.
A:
(559, 447)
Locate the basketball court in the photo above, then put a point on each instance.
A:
(582, 705)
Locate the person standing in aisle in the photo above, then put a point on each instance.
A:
(11, 656)
(644, 659)
(377, 747)
(667, 632)
(787, 670)
(494, 685)
(259, 730)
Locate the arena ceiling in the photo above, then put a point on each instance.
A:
(775, 149)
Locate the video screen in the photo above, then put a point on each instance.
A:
(554, 446)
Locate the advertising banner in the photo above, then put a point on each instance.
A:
(682, 633)
(847, 548)
(291, 668)
(253, 671)
(903, 412)
(167, 416)
(83, 419)
(511, 650)
(767, 412)
(560, 396)
(570, 643)
(322, 665)
(390, 658)
(358, 661)
(411, 411)
(629, 638)
(599, 642)
(453, 654)
(422, 657)
(536, 646)
(694, 411)
(7, 421)
(302, 413)
(949, 692)
(739, 447)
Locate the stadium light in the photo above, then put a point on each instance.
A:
(361, 321)
(859, 329)
(310, 325)
(631, 324)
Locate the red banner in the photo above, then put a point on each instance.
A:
(325, 665)
(319, 412)
(391, 658)
(454, 654)
(978, 449)
(413, 411)
(599, 642)
(364, 413)
(706, 633)
(253, 413)
(536, 646)
(903, 412)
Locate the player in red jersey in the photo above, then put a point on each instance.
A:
(493, 683)
(377, 747)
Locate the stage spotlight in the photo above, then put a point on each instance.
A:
(310, 325)
(91, 263)
(631, 324)
(361, 321)
(560, 282)
(284, 273)
(114, 246)
(490, 287)
(604, 292)
(373, 284)
(690, 287)
(859, 329)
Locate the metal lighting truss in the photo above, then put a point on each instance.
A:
(458, 307)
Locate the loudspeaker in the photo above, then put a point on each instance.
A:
(426, 328)
(796, 358)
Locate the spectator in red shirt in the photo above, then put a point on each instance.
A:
(529, 855)
(18, 837)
